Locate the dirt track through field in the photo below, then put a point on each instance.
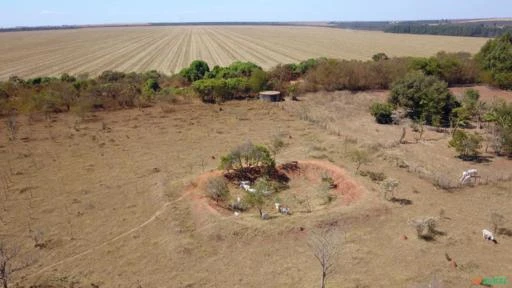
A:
(159, 212)
(169, 49)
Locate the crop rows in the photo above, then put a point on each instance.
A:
(168, 49)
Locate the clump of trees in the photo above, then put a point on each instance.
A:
(246, 156)
(424, 97)
(453, 68)
(500, 118)
(495, 59)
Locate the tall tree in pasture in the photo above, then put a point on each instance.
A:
(324, 246)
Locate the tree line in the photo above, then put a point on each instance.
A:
(467, 30)
(117, 90)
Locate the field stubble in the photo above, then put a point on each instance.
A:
(168, 49)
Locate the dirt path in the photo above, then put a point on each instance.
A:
(124, 234)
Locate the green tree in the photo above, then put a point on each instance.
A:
(196, 71)
(257, 200)
(424, 96)
(248, 155)
(467, 144)
(495, 58)
(258, 80)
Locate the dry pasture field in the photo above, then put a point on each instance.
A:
(119, 201)
(169, 49)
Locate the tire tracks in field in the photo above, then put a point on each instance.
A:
(213, 49)
(260, 47)
(184, 51)
(171, 58)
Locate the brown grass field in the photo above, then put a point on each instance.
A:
(168, 49)
(119, 201)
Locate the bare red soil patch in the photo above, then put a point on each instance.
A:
(309, 173)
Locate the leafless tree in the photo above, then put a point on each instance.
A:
(324, 246)
(12, 126)
(9, 264)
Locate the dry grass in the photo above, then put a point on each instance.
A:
(115, 206)
(168, 49)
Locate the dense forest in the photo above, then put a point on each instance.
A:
(469, 30)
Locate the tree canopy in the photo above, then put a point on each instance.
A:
(495, 59)
(425, 97)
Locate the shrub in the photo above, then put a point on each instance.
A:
(466, 144)
(374, 176)
(111, 76)
(11, 124)
(497, 221)
(425, 228)
(382, 112)
(359, 157)
(196, 71)
(388, 188)
(379, 57)
(217, 189)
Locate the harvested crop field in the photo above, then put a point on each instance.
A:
(168, 49)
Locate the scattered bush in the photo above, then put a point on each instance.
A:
(374, 176)
(217, 189)
(382, 112)
(197, 70)
(379, 57)
(359, 157)
(467, 144)
(388, 188)
(425, 228)
(497, 220)
(11, 124)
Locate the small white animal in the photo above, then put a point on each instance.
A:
(488, 235)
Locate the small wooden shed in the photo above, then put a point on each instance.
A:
(270, 96)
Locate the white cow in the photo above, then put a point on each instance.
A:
(488, 235)
(467, 175)
(245, 185)
(283, 210)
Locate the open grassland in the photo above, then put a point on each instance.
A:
(168, 49)
(118, 200)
